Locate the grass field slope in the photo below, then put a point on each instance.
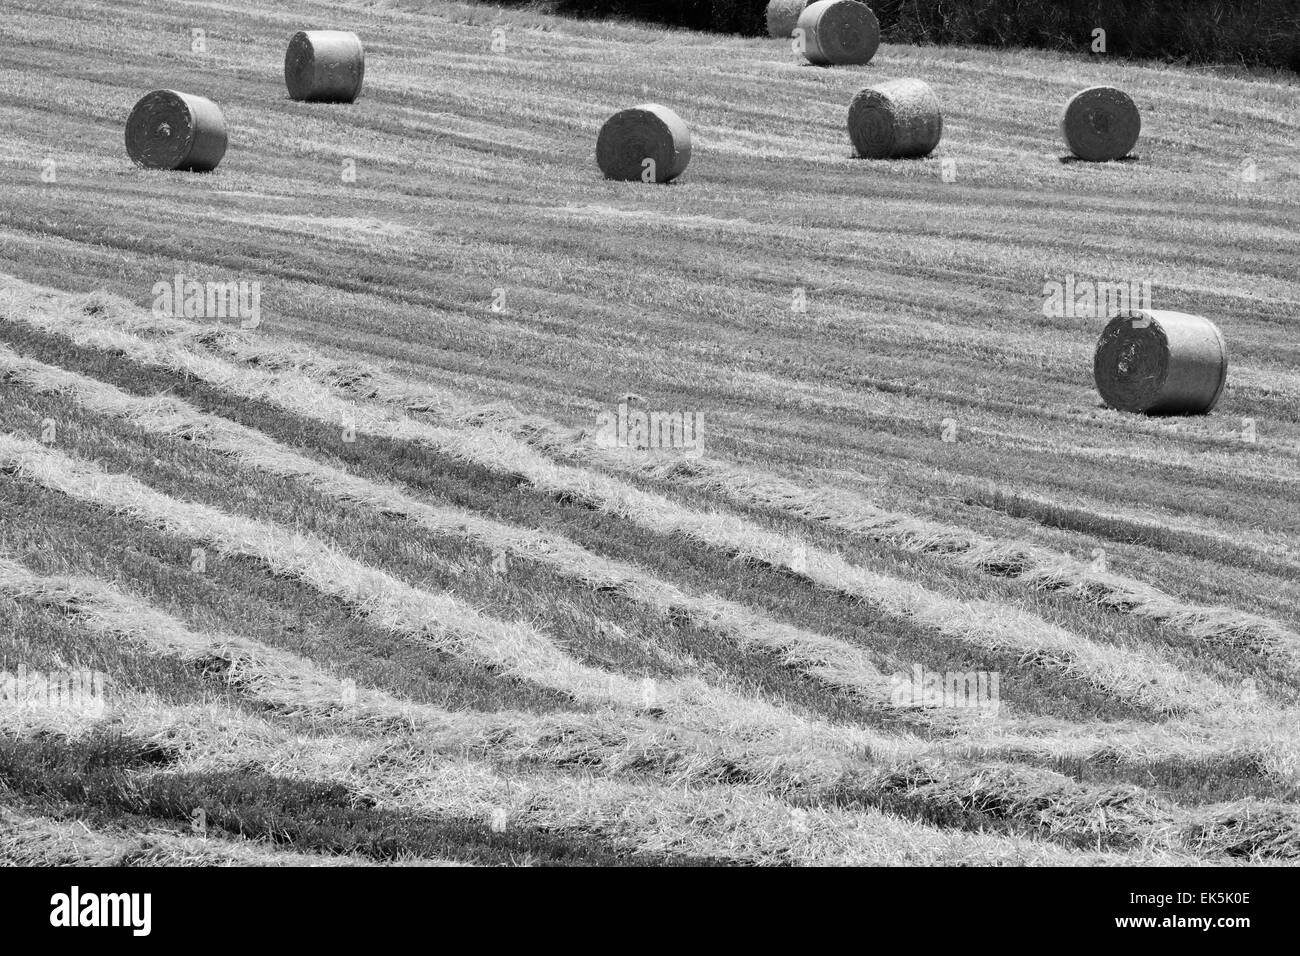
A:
(354, 576)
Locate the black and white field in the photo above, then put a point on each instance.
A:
(356, 580)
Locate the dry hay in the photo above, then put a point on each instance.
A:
(432, 618)
(1161, 362)
(324, 66)
(1041, 568)
(1250, 829)
(783, 16)
(1148, 679)
(647, 142)
(728, 823)
(829, 660)
(839, 32)
(897, 119)
(172, 130)
(1101, 123)
(27, 840)
(1052, 804)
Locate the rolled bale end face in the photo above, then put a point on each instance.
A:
(1161, 363)
(324, 66)
(649, 142)
(1101, 124)
(895, 120)
(783, 16)
(172, 130)
(839, 33)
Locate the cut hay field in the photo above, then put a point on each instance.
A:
(364, 586)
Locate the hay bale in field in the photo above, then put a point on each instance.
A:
(648, 142)
(172, 130)
(897, 119)
(783, 16)
(324, 66)
(839, 32)
(1101, 123)
(1160, 362)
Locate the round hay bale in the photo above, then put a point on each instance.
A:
(172, 130)
(897, 119)
(1101, 123)
(1163, 363)
(839, 32)
(645, 132)
(324, 66)
(783, 16)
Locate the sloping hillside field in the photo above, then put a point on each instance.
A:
(325, 536)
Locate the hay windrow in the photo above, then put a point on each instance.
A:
(1161, 363)
(1249, 829)
(1036, 566)
(27, 840)
(172, 130)
(894, 120)
(737, 823)
(1144, 679)
(1101, 124)
(800, 757)
(1038, 801)
(295, 687)
(696, 751)
(831, 661)
(436, 619)
(839, 33)
(1252, 733)
(289, 684)
(1049, 803)
(649, 142)
(732, 820)
(711, 738)
(324, 66)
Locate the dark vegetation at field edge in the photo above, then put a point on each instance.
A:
(1252, 32)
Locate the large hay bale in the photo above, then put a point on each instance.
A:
(324, 66)
(172, 130)
(1101, 123)
(783, 16)
(839, 32)
(1163, 363)
(897, 119)
(645, 132)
